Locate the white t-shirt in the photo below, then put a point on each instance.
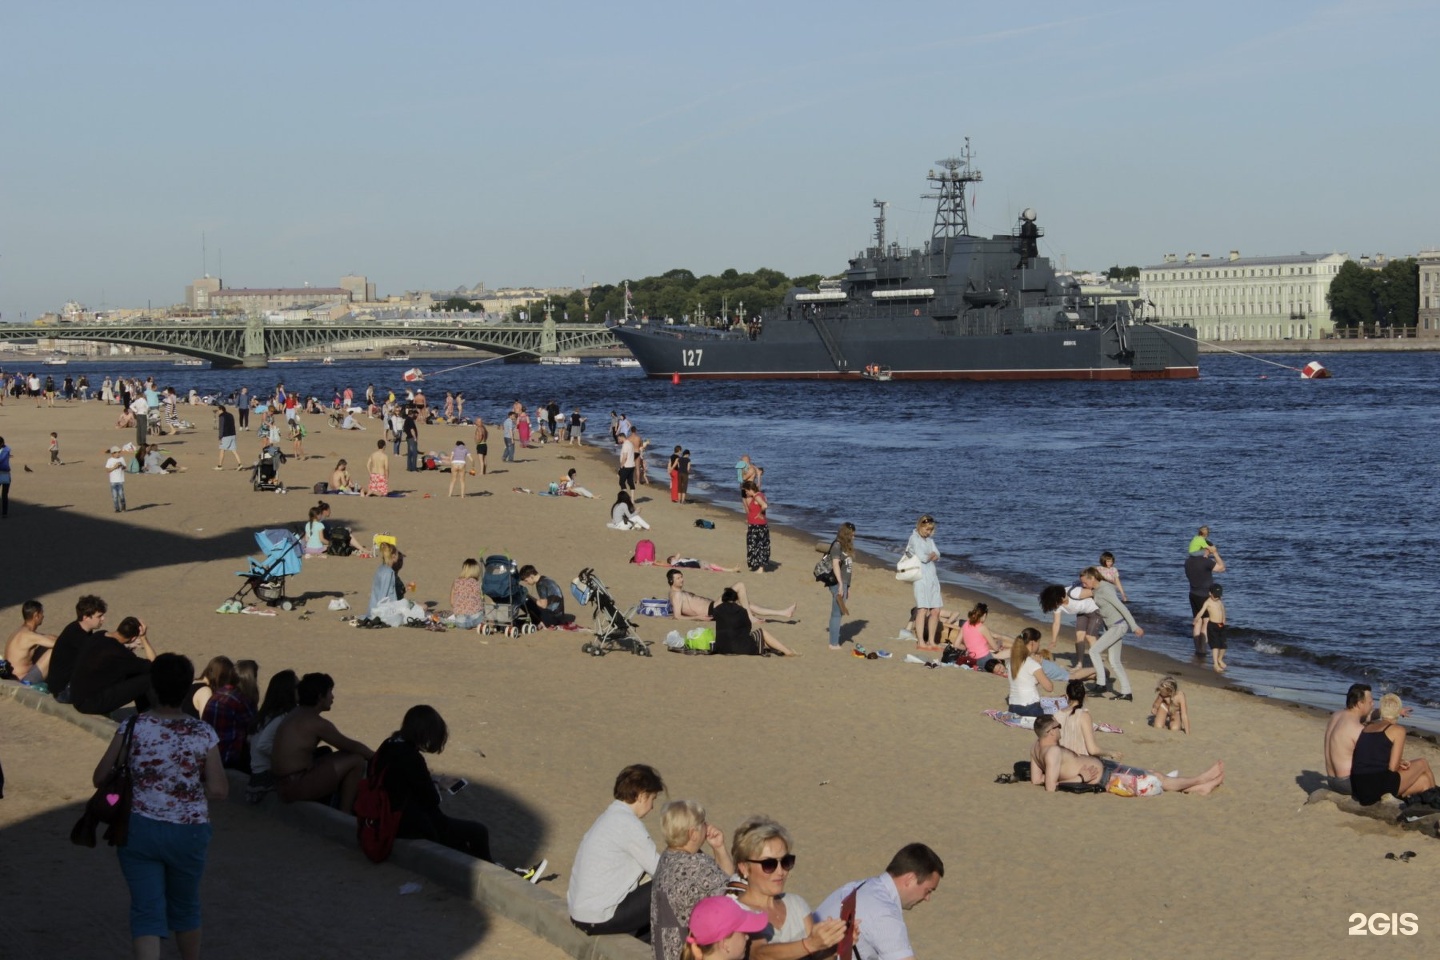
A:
(1023, 689)
(613, 855)
(627, 454)
(116, 466)
(1075, 604)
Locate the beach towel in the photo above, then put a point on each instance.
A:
(1028, 723)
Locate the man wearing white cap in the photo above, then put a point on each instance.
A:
(116, 466)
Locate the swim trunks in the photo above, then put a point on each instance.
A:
(379, 485)
(1215, 635)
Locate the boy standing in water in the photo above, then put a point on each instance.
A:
(1210, 623)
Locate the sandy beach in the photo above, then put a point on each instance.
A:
(856, 757)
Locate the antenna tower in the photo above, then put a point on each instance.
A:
(952, 216)
(880, 224)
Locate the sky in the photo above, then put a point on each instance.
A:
(434, 145)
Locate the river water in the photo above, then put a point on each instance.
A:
(1317, 492)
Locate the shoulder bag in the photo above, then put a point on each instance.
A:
(908, 569)
(110, 803)
(825, 568)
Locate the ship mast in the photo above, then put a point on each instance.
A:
(952, 217)
(880, 225)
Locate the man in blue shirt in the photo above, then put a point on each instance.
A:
(879, 903)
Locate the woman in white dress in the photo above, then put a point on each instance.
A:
(927, 589)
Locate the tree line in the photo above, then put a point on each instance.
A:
(1388, 297)
(675, 293)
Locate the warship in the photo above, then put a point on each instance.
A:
(961, 307)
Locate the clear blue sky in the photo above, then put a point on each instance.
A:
(430, 145)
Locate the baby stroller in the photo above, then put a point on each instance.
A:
(504, 610)
(614, 630)
(265, 475)
(266, 578)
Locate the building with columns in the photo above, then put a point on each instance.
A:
(1428, 323)
(1245, 298)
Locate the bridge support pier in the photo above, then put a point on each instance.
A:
(255, 356)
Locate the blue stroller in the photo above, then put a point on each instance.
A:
(504, 610)
(266, 577)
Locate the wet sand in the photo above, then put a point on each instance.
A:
(856, 757)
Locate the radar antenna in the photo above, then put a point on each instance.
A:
(880, 224)
(952, 217)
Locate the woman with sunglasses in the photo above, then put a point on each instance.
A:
(761, 849)
(922, 547)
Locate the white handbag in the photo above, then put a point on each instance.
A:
(908, 569)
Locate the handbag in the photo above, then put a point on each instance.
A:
(908, 569)
(110, 803)
(825, 569)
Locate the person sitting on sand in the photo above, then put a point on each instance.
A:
(1169, 711)
(299, 773)
(690, 563)
(976, 636)
(1051, 765)
(27, 652)
(568, 487)
(689, 606)
(623, 515)
(1341, 733)
(386, 585)
(349, 422)
(1077, 727)
(547, 608)
(1378, 765)
(340, 479)
(734, 634)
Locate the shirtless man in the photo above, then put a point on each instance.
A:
(378, 466)
(690, 606)
(1052, 765)
(28, 650)
(1341, 733)
(299, 773)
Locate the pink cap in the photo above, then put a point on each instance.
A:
(715, 918)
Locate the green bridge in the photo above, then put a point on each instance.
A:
(254, 342)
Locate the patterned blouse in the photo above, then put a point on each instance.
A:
(167, 760)
(465, 598)
(682, 880)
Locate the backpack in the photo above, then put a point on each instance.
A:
(376, 824)
(644, 552)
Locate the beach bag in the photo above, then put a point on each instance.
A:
(701, 638)
(110, 804)
(704, 524)
(376, 824)
(825, 569)
(654, 607)
(579, 591)
(908, 569)
(644, 552)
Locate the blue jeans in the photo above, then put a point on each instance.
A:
(835, 589)
(412, 454)
(509, 453)
(162, 863)
(1029, 710)
(117, 494)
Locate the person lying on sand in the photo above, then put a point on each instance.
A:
(1052, 765)
(689, 606)
(675, 560)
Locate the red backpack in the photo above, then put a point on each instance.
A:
(644, 552)
(376, 824)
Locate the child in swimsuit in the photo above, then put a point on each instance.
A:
(1210, 622)
(1169, 711)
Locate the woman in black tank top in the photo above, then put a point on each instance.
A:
(1378, 766)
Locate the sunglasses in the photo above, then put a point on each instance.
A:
(769, 864)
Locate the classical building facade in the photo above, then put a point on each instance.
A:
(1428, 322)
(1245, 298)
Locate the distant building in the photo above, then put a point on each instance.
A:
(1245, 298)
(210, 293)
(1428, 322)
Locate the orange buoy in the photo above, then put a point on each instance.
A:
(1314, 371)
(675, 379)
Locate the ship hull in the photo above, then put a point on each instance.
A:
(795, 351)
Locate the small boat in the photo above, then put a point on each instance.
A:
(618, 362)
(327, 361)
(188, 362)
(398, 356)
(559, 361)
(413, 375)
(284, 359)
(876, 372)
(54, 361)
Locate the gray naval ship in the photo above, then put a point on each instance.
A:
(962, 307)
